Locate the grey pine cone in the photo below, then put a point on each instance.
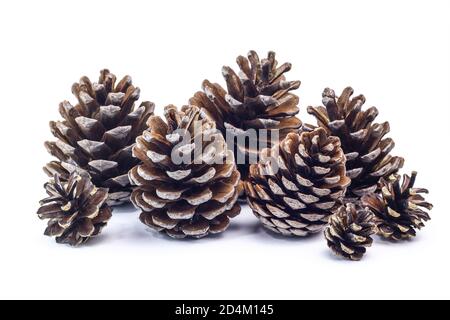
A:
(97, 134)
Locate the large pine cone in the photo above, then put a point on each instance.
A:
(350, 231)
(96, 135)
(191, 198)
(397, 207)
(76, 209)
(298, 198)
(259, 98)
(367, 153)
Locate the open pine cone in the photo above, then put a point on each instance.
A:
(190, 198)
(76, 209)
(97, 134)
(350, 231)
(397, 207)
(258, 98)
(366, 149)
(298, 198)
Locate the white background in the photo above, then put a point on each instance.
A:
(395, 52)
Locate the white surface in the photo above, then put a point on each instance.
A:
(395, 52)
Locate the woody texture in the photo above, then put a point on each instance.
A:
(400, 208)
(188, 183)
(257, 103)
(367, 150)
(350, 231)
(76, 210)
(97, 134)
(297, 185)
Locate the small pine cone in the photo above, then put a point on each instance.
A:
(97, 134)
(367, 153)
(258, 98)
(76, 209)
(298, 198)
(397, 207)
(191, 198)
(350, 231)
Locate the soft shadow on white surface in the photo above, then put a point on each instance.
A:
(125, 226)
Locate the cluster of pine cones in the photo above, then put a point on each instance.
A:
(337, 176)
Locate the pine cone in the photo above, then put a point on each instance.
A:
(398, 207)
(76, 209)
(350, 231)
(298, 198)
(367, 153)
(259, 98)
(96, 136)
(192, 198)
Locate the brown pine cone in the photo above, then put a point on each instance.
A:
(192, 198)
(397, 207)
(258, 98)
(362, 140)
(97, 134)
(350, 231)
(76, 209)
(298, 198)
